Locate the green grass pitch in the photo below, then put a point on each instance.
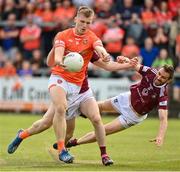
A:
(130, 149)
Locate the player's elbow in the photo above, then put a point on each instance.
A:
(50, 63)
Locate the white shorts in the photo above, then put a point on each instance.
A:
(128, 117)
(74, 106)
(71, 89)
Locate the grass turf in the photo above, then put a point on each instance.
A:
(130, 149)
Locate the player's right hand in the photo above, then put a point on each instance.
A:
(158, 141)
(122, 59)
(61, 64)
(106, 58)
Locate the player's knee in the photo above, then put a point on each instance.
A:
(61, 109)
(96, 120)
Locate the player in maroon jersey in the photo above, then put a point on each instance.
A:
(134, 106)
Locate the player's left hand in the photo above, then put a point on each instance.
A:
(106, 57)
(158, 141)
(134, 61)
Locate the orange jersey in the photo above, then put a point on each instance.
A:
(83, 44)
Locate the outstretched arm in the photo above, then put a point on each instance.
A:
(135, 64)
(102, 53)
(163, 117)
(112, 66)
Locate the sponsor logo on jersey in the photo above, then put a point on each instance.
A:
(85, 41)
(116, 100)
(163, 103)
(59, 81)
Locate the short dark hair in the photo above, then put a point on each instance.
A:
(86, 11)
(169, 69)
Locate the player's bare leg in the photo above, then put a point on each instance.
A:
(69, 133)
(44, 123)
(58, 97)
(110, 128)
(37, 127)
(70, 129)
(90, 108)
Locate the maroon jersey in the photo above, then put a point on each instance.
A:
(145, 95)
(85, 85)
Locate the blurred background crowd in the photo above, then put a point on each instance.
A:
(149, 29)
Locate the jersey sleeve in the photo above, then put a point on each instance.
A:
(96, 41)
(163, 99)
(59, 40)
(144, 70)
(94, 58)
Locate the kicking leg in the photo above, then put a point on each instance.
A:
(70, 129)
(69, 133)
(110, 128)
(37, 127)
(44, 123)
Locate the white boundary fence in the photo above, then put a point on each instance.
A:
(32, 94)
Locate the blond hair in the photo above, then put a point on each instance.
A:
(86, 11)
(169, 69)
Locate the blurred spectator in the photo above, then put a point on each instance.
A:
(17, 60)
(8, 70)
(130, 49)
(10, 35)
(148, 52)
(37, 62)
(160, 39)
(21, 7)
(38, 8)
(103, 8)
(35, 10)
(126, 10)
(164, 17)
(113, 38)
(148, 14)
(136, 30)
(48, 31)
(176, 88)
(99, 27)
(26, 71)
(9, 8)
(30, 37)
(88, 3)
(173, 6)
(64, 14)
(1, 9)
(174, 30)
(178, 45)
(3, 57)
(162, 59)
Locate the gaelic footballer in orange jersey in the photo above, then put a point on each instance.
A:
(65, 86)
(71, 42)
